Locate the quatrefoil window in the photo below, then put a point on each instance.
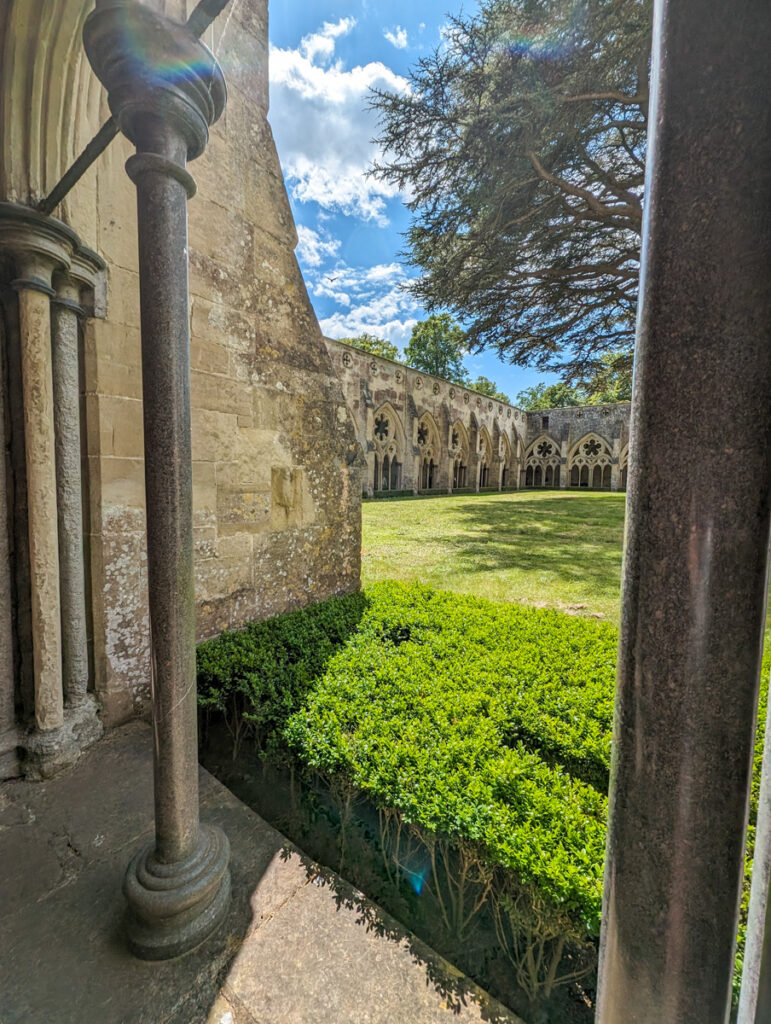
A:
(592, 448)
(422, 434)
(381, 428)
(544, 449)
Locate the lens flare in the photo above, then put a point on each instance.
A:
(548, 40)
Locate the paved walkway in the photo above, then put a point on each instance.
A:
(300, 946)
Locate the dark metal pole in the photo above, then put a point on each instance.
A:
(76, 170)
(157, 172)
(165, 88)
(203, 15)
(694, 592)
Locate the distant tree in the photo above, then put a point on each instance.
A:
(485, 386)
(612, 381)
(521, 147)
(550, 396)
(436, 347)
(369, 343)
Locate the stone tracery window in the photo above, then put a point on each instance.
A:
(589, 463)
(428, 442)
(542, 463)
(388, 445)
(347, 359)
(381, 428)
(507, 460)
(460, 454)
(485, 458)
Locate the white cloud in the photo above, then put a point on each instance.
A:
(323, 126)
(373, 298)
(397, 38)
(322, 43)
(313, 248)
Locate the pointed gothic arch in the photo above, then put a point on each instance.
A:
(623, 466)
(428, 452)
(506, 455)
(542, 463)
(485, 457)
(589, 462)
(388, 443)
(460, 451)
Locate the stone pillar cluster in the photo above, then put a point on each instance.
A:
(53, 275)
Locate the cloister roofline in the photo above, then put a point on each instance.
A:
(570, 408)
(471, 391)
(427, 376)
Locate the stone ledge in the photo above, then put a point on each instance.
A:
(300, 945)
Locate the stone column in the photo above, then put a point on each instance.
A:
(65, 310)
(615, 469)
(9, 733)
(564, 468)
(695, 570)
(43, 247)
(33, 285)
(165, 88)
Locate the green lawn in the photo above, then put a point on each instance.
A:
(544, 548)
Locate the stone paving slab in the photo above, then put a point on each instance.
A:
(300, 945)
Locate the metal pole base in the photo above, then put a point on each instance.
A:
(173, 908)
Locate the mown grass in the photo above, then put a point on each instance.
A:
(544, 548)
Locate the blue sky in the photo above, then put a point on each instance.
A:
(325, 56)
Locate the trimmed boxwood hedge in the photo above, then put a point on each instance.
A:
(482, 729)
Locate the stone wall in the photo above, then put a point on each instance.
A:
(468, 441)
(277, 471)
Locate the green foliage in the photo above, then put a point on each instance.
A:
(485, 386)
(757, 765)
(424, 711)
(436, 347)
(479, 731)
(611, 381)
(369, 343)
(521, 143)
(257, 676)
(550, 396)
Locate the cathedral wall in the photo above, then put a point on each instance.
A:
(475, 442)
(277, 472)
(428, 412)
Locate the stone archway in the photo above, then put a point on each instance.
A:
(590, 463)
